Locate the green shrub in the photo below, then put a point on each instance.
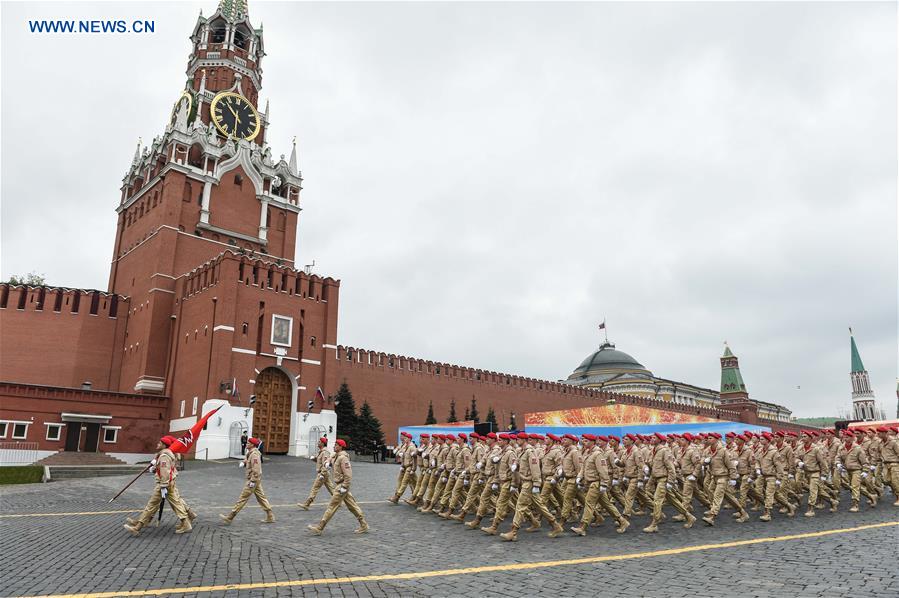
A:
(28, 474)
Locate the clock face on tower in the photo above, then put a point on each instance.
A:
(234, 116)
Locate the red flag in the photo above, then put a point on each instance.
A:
(319, 394)
(183, 444)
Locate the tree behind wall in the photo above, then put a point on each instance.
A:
(369, 434)
(491, 417)
(452, 414)
(347, 420)
(430, 419)
(473, 411)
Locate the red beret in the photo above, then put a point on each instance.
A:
(589, 436)
(767, 435)
(503, 436)
(780, 433)
(631, 436)
(491, 435)
(729, 435)
(717, 435)
(672, 437)
(253, 441)
(167, 440)
(425, 435)
(660, 436)
(883, 429)
(449, 437)
(323, 440)
(895, 428)
(748, 436)
(602, 438)
(341, 443)
(536, 436)
(687, 436)
(406, 434)
(793, 434)
(522, 435)
(463, 436)
(615, 438)
(570, 437)
(553, 437)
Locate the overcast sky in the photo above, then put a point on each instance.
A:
(490, 181)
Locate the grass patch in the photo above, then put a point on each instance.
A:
(28, 474)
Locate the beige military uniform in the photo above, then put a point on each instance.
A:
(691, 469)
(253, 486)
(889, 453)
(571, 467)
(407, 477)
(343, 477)
(488, 494)
(632, 463)
(854, 459)
(504, 473)
(722, 467)
(598, 481)
(322, 476)
(166, 472)
(475, 479)
(663, 473)
(529, 496)
(553, 478)
(462, 469)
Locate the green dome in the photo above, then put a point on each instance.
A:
(607, 363)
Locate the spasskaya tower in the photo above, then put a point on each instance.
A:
(201, 199)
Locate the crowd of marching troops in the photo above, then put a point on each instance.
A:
(564, 479)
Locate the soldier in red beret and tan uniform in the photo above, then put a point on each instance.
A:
(722, 466)
(343, 476)
(253, 487)
(889, 453)
(663, 472)
(596, 477)
(165, 473)
(508, 463)
(852, 458)
(322, 474)
(529, 497)
(406, 453)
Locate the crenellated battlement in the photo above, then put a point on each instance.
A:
(87, 302)
(256, 272)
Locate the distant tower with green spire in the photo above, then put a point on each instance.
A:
(732, 386)
(862, 394)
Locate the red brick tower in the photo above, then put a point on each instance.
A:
(205, 247)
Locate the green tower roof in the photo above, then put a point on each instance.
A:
(857, 365)
(731, 378)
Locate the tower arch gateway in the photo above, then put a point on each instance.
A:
(273, 410)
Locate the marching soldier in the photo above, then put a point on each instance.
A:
(595, 476)
(423, 464)
(770, 469)
(406, 454)
(691, 469)
(488, 477)
(551, 471)
(322, 474)
(632, 464)
(889, 452)
(663, 472)
(253, 463)
(462, 470)
(811, 460)
(435, 486)
(163, 490)
(448, 479)
(852, 459)
(571, 466)
(343, 476)
(529, 497)
(502, 483)
(722, 466)
(474, 476)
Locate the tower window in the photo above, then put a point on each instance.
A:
(311, 341)
(238, 180)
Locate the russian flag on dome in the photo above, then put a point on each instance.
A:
(183, 444)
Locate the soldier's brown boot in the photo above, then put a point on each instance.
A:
(690, 521)
(191, 515)
(651, 528)
(511, 535)
(269, 517)
(896, 504)
(709, 520)
(535, 526)
(474, 523)
(491, 531)
(854, 507)
(315, 529)
(873, 501)
(460, 517)
(184, 527)
(394, 499)
(580, 530)
(743, 517)
(304, 505)
(411, 501)
(227, 519)
(130, 521)
(810, 512)
(134, 528)
(678, 517)
(766, 516)
(623, 524)
(556, 530)
(363, 528)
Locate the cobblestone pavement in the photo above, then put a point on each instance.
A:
(90, 552)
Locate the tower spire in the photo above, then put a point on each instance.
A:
(862, 393)
(293, 158)
(732, 385)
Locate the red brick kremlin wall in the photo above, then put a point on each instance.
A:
(399, 388)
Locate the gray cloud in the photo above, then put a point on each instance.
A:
(490, 180)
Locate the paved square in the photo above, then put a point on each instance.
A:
(84, 550)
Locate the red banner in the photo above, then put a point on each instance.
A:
(183, 444)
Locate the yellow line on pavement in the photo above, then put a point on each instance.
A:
(138, 509)
(471, 570)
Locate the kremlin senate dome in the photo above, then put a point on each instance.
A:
(606, 364)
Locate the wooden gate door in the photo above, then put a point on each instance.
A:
(271, 412)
